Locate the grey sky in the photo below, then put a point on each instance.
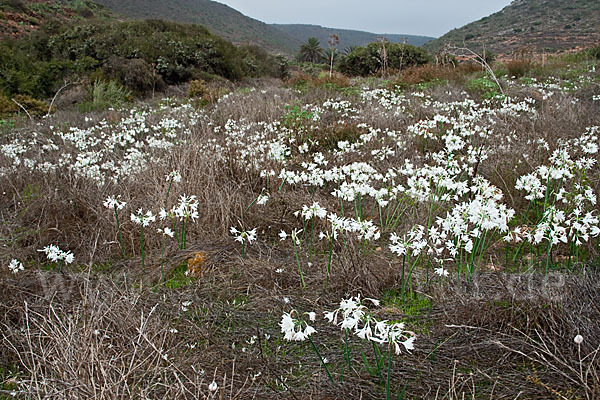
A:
(413, 17)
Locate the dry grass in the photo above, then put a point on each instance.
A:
(103, 330)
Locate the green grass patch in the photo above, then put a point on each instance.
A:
(178, 279)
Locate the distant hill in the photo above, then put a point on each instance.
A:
(348, 38)
(18, 17)
(240, 29)
(549, 25)
(218, 18)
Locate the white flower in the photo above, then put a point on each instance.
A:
(112, 202)
(187, 207)
(578, 339)
(262, 199)
(213, 386)
(55, 254)
(15, 266)
(167, 232)
(441, 271)
(409, 344)
(288, 326)
(313, 211)
(241, 236)
(292, 328)
(174, 176)
(143, 219)
(185, 306)
(68, 257)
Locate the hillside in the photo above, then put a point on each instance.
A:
(348, 38)
(219, 18)
(549, 25)
(19, 17)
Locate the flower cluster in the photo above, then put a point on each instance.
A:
(355, 316)
(143, 219)
(15, 266)
(297, 329)
(55, 254)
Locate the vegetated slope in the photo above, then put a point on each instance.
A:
(549, 25)
(218, 18)
(140, 55)
(18, 17)
(348, 38)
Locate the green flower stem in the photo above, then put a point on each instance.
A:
(142, 247)
(347, 348)
(389, 373)
(182, 244)
(329, 262)
(298, 261)
(403, 283)
(312, 238)
(162, 261)
(377, 360)
(175, 230)
(321, 358)
(412, 268)
(168, 191)
(119, 231)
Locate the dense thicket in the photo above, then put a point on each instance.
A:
(138, 54)
(370, 59)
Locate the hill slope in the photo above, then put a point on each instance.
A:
(543, 24)
(218, 18)
(19, 17)
(302, 32)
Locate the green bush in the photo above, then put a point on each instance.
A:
(197, 89)
(7, 107)
(17, 5)
(104, 95)
(139, 55)
(594, 52)
(34, 107)
(518, 68)
(483, 87)
(364, 61)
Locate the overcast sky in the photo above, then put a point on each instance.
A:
(411, 17)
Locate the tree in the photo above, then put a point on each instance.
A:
(311, 51)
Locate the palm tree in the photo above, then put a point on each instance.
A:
(311, 51)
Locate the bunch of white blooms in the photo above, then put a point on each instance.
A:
(143, 219)
(112, 202)
(55, 254)
(15, 266)
(243, 235)
(296, 329)
(357, 318)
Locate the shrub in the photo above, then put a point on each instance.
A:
(518, 68)
(197, 89)
(33, 106)
(106, 95)
(594, 52)
(367, 60)
(336, 79)
(7, 107)
(18, 5)
(483, 87)
(136, 74)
